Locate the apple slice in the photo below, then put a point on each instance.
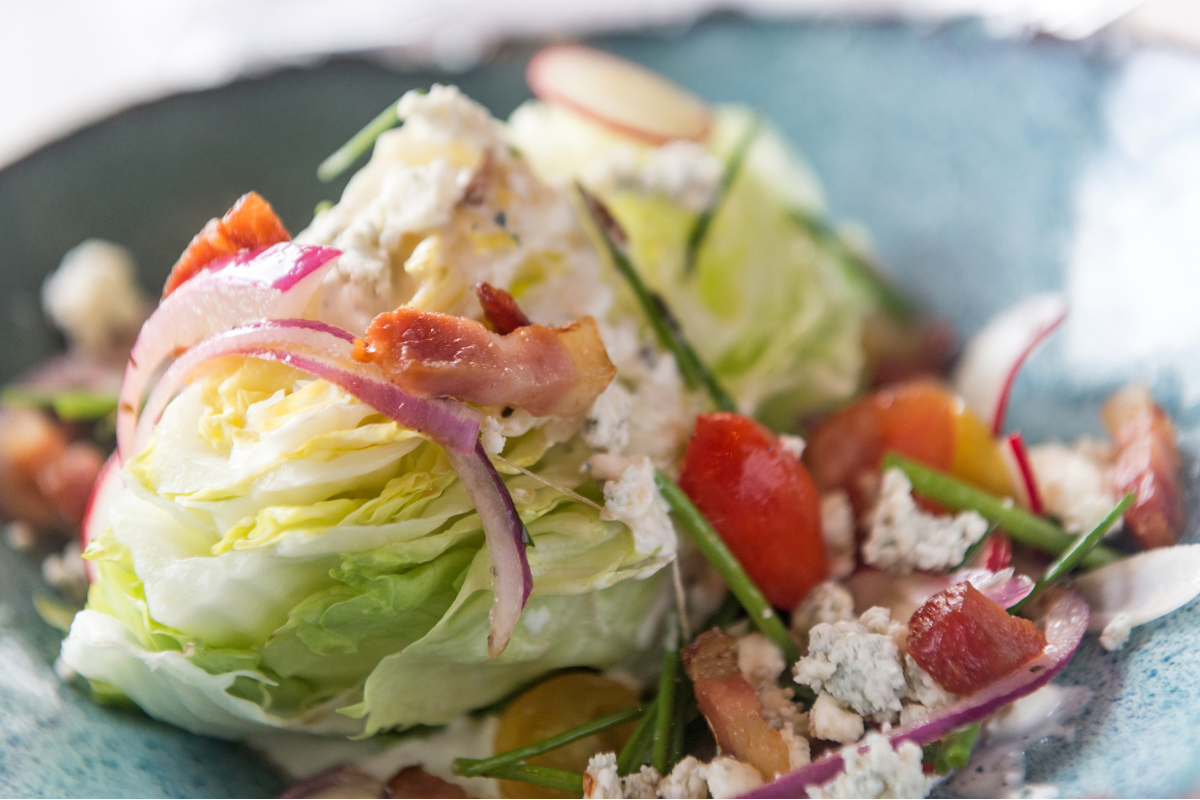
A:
(95, 518)
(619, 94)
(991, 360)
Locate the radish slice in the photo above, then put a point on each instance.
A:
(276, 282)
(512, 580)
(1016, 458)
(904, 594)
(1144, 587)
(990, 362)
(1066, 620)
(324, 351)
(95, 518)
(619, 94)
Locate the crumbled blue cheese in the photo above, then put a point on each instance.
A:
(445, 115)
(879, 772)
(634, 499)
(920, 686)
(903, 537)
(94, 297)
(829, 720)
(1116, 633)
(1074, 484)
(857, 663)
(761, 663)
(680, 171)
(641, 784)
(601, 780)
(490, 436)
(837, 531)
(606, 426)
(792, 444)
(728, 777)
(688, 780)
(827, 602)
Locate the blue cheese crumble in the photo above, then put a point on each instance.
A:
(903, 537)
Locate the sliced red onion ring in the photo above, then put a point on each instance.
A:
(95, 518)
(345, 780)
(253, 285)
(324, 351)
(512, 580)
(985, 375)
(1066, 620)
(1016, 457)
(904, 594)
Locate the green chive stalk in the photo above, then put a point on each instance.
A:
(634, 752)
(551, 778)
(954, 749)
(344, 157)
(664, 722)
(1074, 555)
(714, 549)
(471, 767)
(71, 405)
(666, 327)
(733, 168)
(1020, 524)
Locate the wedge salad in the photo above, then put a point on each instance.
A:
(579, 454)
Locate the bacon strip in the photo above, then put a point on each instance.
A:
(500, 309)
(730, 704)
(1147, 463)
(547, 371)
(250, 223)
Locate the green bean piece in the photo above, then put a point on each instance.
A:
(1074, 555)
(666, 327)
(702, 534)
(858, 268)
(1020, 524)
(954, 749)
(634, 752)
(664, 722)
(732, 168)
(551, 778)
(344, 157)
(480, 767)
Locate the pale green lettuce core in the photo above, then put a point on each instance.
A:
(768, 306)
(285, 555)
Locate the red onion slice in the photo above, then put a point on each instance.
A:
(95, 518)
(985, 375)
(324, 351)
(512, 580)
(1021, 470)
(276, 282)
(902, 595)
(345, 780)
(1066, 620)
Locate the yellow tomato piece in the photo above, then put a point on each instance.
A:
(559, 704)
(978, 458)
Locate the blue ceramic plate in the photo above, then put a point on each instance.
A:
(986, 170)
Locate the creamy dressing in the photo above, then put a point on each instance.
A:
(300, 756)
(997, 768)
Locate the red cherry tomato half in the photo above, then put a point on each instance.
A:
(762, 502)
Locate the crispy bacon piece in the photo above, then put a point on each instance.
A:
(1146, 463)
(416, 782)
(730, 704)
(250, 223)
(500, 309)
(547, 371)
(966, 641)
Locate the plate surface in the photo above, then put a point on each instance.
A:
(964, 156)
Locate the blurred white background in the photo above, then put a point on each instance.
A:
(71, 62)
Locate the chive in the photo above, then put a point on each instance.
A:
(1020, 524)
(70, 405)
(714, 549)
(732, 168)
(324, 205)
(344, 157)
(1074, 555)
(685, 708)
(663, 724)
(634, 752)
(859, 269)
(954, 749)
(666, 327)
(551, 778)
(472, 767)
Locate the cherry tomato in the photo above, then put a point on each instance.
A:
(762, 502)
(565, 701)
